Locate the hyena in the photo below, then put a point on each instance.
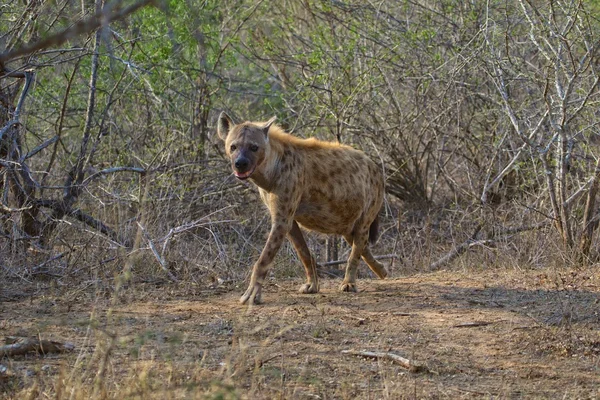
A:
(321, 186)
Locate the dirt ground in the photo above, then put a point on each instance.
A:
(476, 334)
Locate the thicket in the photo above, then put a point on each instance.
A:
(482, 114)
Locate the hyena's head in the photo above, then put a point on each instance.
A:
(245, 144)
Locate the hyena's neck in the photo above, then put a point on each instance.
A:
(267, 173)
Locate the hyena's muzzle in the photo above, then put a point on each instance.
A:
(245, 160)
(243, 165)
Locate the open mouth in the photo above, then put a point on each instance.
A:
(243, 175)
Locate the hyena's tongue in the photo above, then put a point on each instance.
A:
(242, 175)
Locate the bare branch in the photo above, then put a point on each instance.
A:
(158, 257)
(28, 75)
(39, 148)
(98, 225)
(111, 12)
(112, 170)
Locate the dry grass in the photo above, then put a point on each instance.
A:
(506, 320)
(537, 336)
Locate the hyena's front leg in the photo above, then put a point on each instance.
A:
(310, 265)
(279, 229)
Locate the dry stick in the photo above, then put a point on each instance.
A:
(20, 346)
(473, 324)
(458, 250)
(471, 242)
(261, 363)
(403, 362)
(339, 262)
(112, 170)
(56, 257)
(99, 226)
(199, 223)
(160, 259)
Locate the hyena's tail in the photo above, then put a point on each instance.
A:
(374, 230)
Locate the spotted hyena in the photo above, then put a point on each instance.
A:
(321, 186)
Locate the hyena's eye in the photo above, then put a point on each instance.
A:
(232, 147)
(253, 147)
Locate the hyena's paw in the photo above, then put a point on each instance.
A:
(252, 295)
(309, 288)
(382, 273)
(348, 287)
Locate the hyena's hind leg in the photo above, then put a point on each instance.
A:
(375, 265)
(297, 239)
(359, 242)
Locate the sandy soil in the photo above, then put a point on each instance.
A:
(500, 334)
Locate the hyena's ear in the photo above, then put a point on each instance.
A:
(267, 125)
(224, 125)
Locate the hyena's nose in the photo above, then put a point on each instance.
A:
(241, 164)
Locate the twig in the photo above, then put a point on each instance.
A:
(403, 362)
(98, 225)
(339, 262)
(457, 251)
(103, 17)
(260, 363)
(191, 225)
(48, 261)
(113, 170)
(19, 346)
(160, 259)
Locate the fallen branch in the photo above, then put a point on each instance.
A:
(403, 362)
(473, 324)
(19, 346)
(339, 262)
(458, 250)
(473, 241)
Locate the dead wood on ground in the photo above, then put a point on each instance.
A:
(18, 346)
(403, 362)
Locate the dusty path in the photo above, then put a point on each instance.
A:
(495, 334)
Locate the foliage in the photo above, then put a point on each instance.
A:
(482, 115)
